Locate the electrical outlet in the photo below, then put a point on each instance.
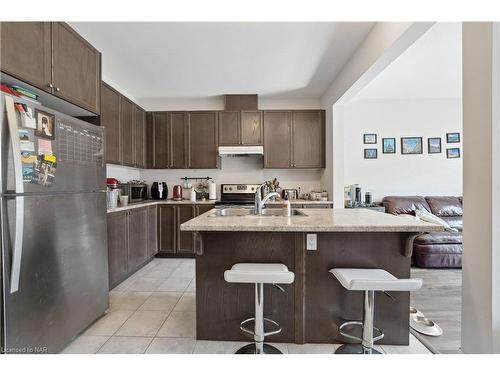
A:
(311, 241)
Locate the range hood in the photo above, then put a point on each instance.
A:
(241, 150)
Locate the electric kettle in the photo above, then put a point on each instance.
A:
(177, 193)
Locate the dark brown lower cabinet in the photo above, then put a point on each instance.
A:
(185, 240)
(138, 237)
(172, 240)
(152, 231)
(117, 247)
(131, 241)
(166, 229)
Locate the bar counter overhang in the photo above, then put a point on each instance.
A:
(313, 307)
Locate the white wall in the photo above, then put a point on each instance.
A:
(217, 103)
(239, 170)
(233, 170)
(385, 42)
(397, 174)
(123, 173)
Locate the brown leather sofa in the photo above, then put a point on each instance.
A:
(439, 249)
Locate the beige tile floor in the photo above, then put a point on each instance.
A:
(154, 311)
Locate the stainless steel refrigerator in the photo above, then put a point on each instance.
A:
(54, 262)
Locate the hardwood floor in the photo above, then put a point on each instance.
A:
(440, 299)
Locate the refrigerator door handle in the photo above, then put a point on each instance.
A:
(17, 252)
(16, 149)
(18, 175)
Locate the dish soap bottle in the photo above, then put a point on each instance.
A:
(287, 207)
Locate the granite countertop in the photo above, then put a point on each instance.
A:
(317, 220)
(146, 203)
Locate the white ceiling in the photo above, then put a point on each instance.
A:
(430, 68)
(201, 60)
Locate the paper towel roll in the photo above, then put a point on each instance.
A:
(212, 190)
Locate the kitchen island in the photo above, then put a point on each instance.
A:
(311, 309)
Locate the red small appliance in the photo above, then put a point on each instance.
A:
(112, 183)
(177, 193)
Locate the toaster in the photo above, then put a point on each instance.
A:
(291, 193)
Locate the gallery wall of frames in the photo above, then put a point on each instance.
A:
(404, 146)
(411, 145)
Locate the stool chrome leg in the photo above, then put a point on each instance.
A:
(368, 315)
(258, 347)
(259, 317)
(367, 340)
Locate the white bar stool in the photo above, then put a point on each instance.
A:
(368, 281)
(259, 274)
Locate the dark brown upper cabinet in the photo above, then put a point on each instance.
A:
(202, 140)
(251, 128)
(139, 137)
(127, 116)
(308, 136)
(240, 128)
(229, 128)
(161, 140)
(110, 118)
(53, 57)
(149, 144)
(182, 140)
(294, 139)
(26, 52)
(277, 139)
(178, 140)
(76, 68)
(125, 124)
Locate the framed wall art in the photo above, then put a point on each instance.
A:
(370, 153)
(369, 139)
(452, 137)
(388, 145)
(453, 153)
(434, 145)
(411, 145)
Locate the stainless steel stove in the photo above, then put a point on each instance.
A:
(237, 195)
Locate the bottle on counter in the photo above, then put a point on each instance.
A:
(368, 198)
(192, 196)
(287, 207)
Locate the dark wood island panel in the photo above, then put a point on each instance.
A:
(312, 308)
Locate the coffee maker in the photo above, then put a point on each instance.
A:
(159, 190)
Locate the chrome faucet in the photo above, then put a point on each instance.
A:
(259, 201)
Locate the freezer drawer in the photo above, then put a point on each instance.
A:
(63, 278)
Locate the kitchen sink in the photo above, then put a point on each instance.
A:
(233, 212)
(267, 212)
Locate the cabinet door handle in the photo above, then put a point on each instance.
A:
(58, 89)
(50, 86)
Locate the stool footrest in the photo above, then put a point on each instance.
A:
(250, 332)
(358, 323)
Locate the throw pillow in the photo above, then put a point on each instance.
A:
(431, 218)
